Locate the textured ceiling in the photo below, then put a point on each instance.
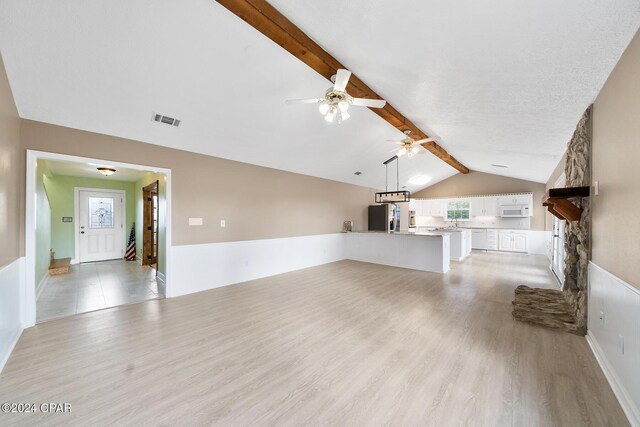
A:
(497, 82)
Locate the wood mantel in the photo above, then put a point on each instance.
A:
(557, 202)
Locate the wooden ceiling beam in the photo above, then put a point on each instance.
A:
(274, 25)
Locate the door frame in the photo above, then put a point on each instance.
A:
(560, 182)
(146, 189)
(28, 308)
(76, 215)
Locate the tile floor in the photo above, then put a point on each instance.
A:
(97, 285)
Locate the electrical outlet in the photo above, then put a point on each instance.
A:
(621, 344)
(223, 223)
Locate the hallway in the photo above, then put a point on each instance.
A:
(97, 285)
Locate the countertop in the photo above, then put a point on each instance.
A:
(406, 233)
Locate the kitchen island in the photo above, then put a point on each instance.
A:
(426, 251)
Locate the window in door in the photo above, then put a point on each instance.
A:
(100, 212)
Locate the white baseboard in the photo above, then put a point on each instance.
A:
(161, 277)
(42, 285)
(619, 390)
(74, 261)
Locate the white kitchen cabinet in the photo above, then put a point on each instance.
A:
(520, 242)
(492, 240)
(429, 207)
(484, 206)
(435, 207)
(460, 244)
(513, 241)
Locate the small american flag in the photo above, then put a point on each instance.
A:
(130, 253)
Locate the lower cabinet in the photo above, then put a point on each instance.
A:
(514, 241)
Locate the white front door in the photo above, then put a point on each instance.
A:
(100, 225)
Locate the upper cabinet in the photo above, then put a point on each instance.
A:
(484, 206)
(430, 207)
(515, 199)
(478, 205)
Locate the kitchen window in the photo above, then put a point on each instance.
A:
(458, 211)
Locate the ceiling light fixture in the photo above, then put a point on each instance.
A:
(419, 180)
(106, 171)
(336, 101)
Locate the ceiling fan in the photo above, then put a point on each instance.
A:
(336, 100)
(410, 146)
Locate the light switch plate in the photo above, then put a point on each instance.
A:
(195, 221)
(596, 188)
(223, 223)
(621, 344)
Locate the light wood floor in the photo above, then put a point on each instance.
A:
(347, 343)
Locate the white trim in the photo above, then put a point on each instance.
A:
(161, 277)
(616, 278)
(12, 345)
(13, 294)
(29, 312)
(76, 213)
(43, 284)
(630, 410)
(200, 267)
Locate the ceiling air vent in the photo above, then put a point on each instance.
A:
(166, 120)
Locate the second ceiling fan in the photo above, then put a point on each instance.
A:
(336, 101)
(410, 146)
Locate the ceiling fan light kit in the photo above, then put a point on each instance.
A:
(336, 101)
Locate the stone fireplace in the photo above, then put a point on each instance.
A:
(567, 309)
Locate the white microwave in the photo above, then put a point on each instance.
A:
(514, 211)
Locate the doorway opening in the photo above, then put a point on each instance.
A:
(150, 225)
(558, 252)
(93, 223)
(557, 259)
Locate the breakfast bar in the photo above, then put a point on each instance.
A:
(427, 251)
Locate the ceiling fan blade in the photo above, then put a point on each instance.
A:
(303, 101)
(342, 78)
(425, 140)
(371, 103)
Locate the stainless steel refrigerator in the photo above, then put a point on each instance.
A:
(385, 217)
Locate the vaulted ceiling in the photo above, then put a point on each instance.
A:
(496, 82)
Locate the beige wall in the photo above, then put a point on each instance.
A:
(11, 175)
(616, 151)
(479, 183)
(256, 202)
